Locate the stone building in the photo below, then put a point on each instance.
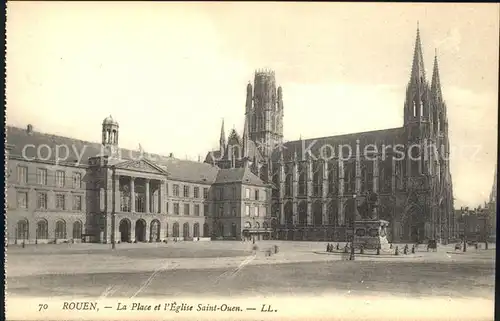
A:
(317, 189)
(60, 189)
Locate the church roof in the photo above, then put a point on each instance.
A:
(182, 170)
(391, 136)
(238, 175)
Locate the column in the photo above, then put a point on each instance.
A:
(147, 196)
(132, 197)
(160, 197)
(117, 194)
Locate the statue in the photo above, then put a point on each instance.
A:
(367, 208)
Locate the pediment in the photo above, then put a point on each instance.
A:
(141, 166)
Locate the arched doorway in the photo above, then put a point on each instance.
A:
(42, 230)
(185, 230)
(60, 229)
(124, 229)
(175, 230)
(77, 230)
(196, 230)
(140, 230)
(206, 231)
(154, 235)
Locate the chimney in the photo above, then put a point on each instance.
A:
(29, 129)
(171, 155)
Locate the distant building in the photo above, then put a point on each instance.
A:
(316, 193)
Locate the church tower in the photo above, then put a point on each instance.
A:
(264, 112)
(417, 113)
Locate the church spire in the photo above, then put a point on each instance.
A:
(245, 138)
(417, 68)
(222, 139)
(436, 83)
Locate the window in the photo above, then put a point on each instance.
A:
(22, 175)
(41, 200)
(256, 195)
(77, 180)
(247, 210)
(264, 211)
(205, 209)
(256, 211)
(196, 192)
(247, 193)
(60, 198)
(221, 211)
(220, 193)
(186, 191)
(167, 207)
(77, 203)
(205, 193)
(41, 176)
(22, 199)
(233, 212)
(176, 190)
(22, 230)
(196, 210)
(60, 176)
(186, 209)
(176, 208)
(264, 198)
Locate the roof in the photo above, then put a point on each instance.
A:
(26, 145)
(238, 175)
(391, 136)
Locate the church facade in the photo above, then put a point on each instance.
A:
(321, 185)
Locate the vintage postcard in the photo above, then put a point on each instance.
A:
(251, 161)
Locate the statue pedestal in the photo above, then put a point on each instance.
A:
(371, 234)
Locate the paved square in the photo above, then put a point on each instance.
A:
(231, 268)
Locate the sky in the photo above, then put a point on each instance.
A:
(170, 72)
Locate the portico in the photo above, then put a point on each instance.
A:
(139, 199)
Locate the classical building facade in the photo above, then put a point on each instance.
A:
(60, 189)
(317, 191)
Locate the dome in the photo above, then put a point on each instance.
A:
(109, 121)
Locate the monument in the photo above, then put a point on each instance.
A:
(370, 232)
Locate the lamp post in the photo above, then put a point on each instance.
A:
(464, 217)
(353, 227)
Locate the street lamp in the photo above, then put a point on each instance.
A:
(464, 217)
(353, 227)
